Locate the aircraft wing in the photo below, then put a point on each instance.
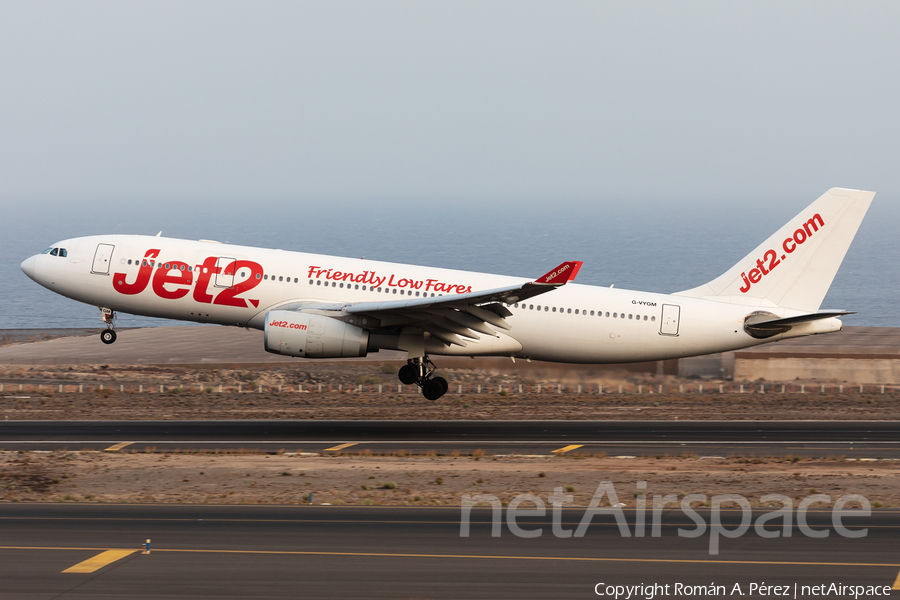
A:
(450, 318)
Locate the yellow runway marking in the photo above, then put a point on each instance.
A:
(117, 447)
(567, 448)
(464, 556)
(896, 585)
(98, 562)
(340, 447)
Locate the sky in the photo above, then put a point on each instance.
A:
(453, 101)
(449, 125)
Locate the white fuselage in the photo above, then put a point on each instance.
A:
(208, 282)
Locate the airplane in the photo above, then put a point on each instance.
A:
(317, 306)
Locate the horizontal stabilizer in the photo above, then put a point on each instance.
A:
(802, 319)
(764, 324)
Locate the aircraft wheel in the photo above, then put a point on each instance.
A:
(443, 383)
(108, 336)
(432, 389)
(408, 374)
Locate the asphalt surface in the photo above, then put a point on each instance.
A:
(853, 439)
(379, 552)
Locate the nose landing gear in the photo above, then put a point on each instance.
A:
(420, 371)
(108, 317)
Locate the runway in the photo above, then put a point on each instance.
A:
(377, 552)
(853, 439)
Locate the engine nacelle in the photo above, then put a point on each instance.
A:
(313, 336)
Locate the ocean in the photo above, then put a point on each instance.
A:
(643, 244)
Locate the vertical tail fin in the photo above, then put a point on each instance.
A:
(795, 267)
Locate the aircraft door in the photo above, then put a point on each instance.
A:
(225, 272)
(671, 315)
(102, 257)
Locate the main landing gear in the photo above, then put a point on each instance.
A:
(420, 371)
(109, 317)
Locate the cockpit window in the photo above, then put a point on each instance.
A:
(47, 251)
(54, 252)
(63, 253)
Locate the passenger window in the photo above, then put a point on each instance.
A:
(629, 317)
(356, 287)
(342, 285)
(607, 314)
(129, 261)
(417, 294)
(652, 318)
(531, 307)
(623, 315)
(645, 317)
(615, 315)
(364, 288)
(592, 313)
(310, 282)
(266, 277)
(333, 284)
(395, 290)
(143, 263)
(295, 280)
(554, 309)
(570, 311)
(317, 283)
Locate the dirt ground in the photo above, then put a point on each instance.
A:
(246, 478)
(193, 393)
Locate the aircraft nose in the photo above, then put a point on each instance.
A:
(28, 266)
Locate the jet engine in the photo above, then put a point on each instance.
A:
(313, 336)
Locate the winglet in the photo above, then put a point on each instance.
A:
(562, 274)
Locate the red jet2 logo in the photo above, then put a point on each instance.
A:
(173, 280)
(788, 245)
(287, 325)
